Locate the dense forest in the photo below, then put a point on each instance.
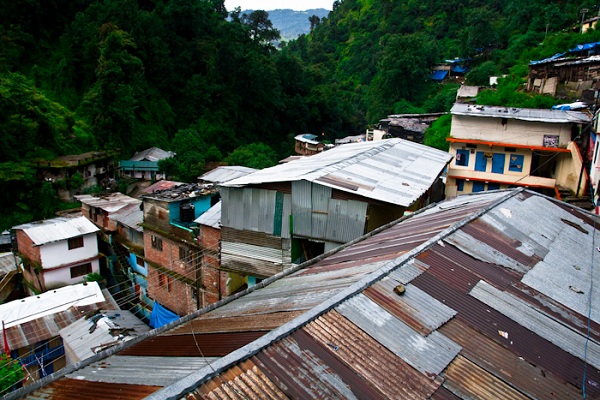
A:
(207, 83)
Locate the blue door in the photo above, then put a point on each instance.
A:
(493, 186)
(480, 161)
(478, 186)
(498, 163)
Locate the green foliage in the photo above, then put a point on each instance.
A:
(11, 373)
(509, 93)
(480, 75)
(254, 155)
(93, 277)
(436, 135)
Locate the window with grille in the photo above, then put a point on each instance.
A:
(156, 243)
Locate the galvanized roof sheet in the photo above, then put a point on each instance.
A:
(56, 229)
(110, 203)
(8, 263)
(525, 114)
(332, 335)
(212, 217)
(152, 154)
(226, 173)
(131, 216)
(395, 171)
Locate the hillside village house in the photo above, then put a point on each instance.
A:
(57, 252)
(144, 164)
(308, 144)
(500, 147)
(171, 249)
(93, 168)
(439, 305)
(99, 207)
(289, 213)
(32, 325)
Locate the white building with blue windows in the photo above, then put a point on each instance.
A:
(502, 147)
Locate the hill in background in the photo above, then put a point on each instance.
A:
(292, 24)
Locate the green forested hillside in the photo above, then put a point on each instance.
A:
(186, 76)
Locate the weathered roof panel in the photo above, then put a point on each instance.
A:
(152, 154)
(212, 217)
(404, 170)
(226, 173)
(525, 114)
(56, 229)
(110, 203)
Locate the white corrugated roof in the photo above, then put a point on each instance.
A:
(226, 173)
(395, 171)
(152, 154)
(51, 302)
(524, 114)
(53, 230)
(108, 202)
(212, 217)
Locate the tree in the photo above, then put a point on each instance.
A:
(314, 21)
(11, 373)
(436, 135)
(254, 155)
(260, 27)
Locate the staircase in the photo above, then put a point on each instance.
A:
(125, 295)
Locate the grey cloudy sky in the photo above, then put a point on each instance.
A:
(299, 5)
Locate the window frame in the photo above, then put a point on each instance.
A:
(462, 157)
(76, 273)
(76, 242)
(156, 243)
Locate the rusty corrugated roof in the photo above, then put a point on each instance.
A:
(336, 328)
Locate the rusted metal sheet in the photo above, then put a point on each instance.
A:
(545, 326)
(209, 323)
(443, 394)
(414, 307)
(467, 380)
(449, 272)
(303, 369)
(76, 389)
(243, 381)
(200, 345)
(522, 341)
(508, 366)
(369, 359)
(429, 355)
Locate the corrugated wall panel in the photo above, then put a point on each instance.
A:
(249, 266)
(251, 251)
(430, 354)
(467, 380)
(285, 218)
(320, 208)
(302, 207)
(254, 238)
(369, 359)
(346, 220)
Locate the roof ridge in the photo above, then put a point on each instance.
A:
(185, 385)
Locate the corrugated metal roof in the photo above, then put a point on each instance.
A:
(131, 216)
(226, 173)
(56, 229)
(212, 217)
(152, 154)
(110, 203)
(8, 263)
(161, 185)
(88, 336)
(395, 171)
(525, 114)
(330, 339)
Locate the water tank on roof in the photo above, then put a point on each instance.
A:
(186, 212)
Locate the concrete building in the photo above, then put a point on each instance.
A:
(57, 252)
(289, 213)
(500, 147)
(308, 144)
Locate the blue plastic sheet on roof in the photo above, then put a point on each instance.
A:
(554, 57)
(439, 75)
(457, 60)
(584, 47)
(161, 316)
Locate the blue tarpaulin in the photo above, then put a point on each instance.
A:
(161, 316)
(554, 57)
(439, 75)
(459, 69)
(584, 47)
